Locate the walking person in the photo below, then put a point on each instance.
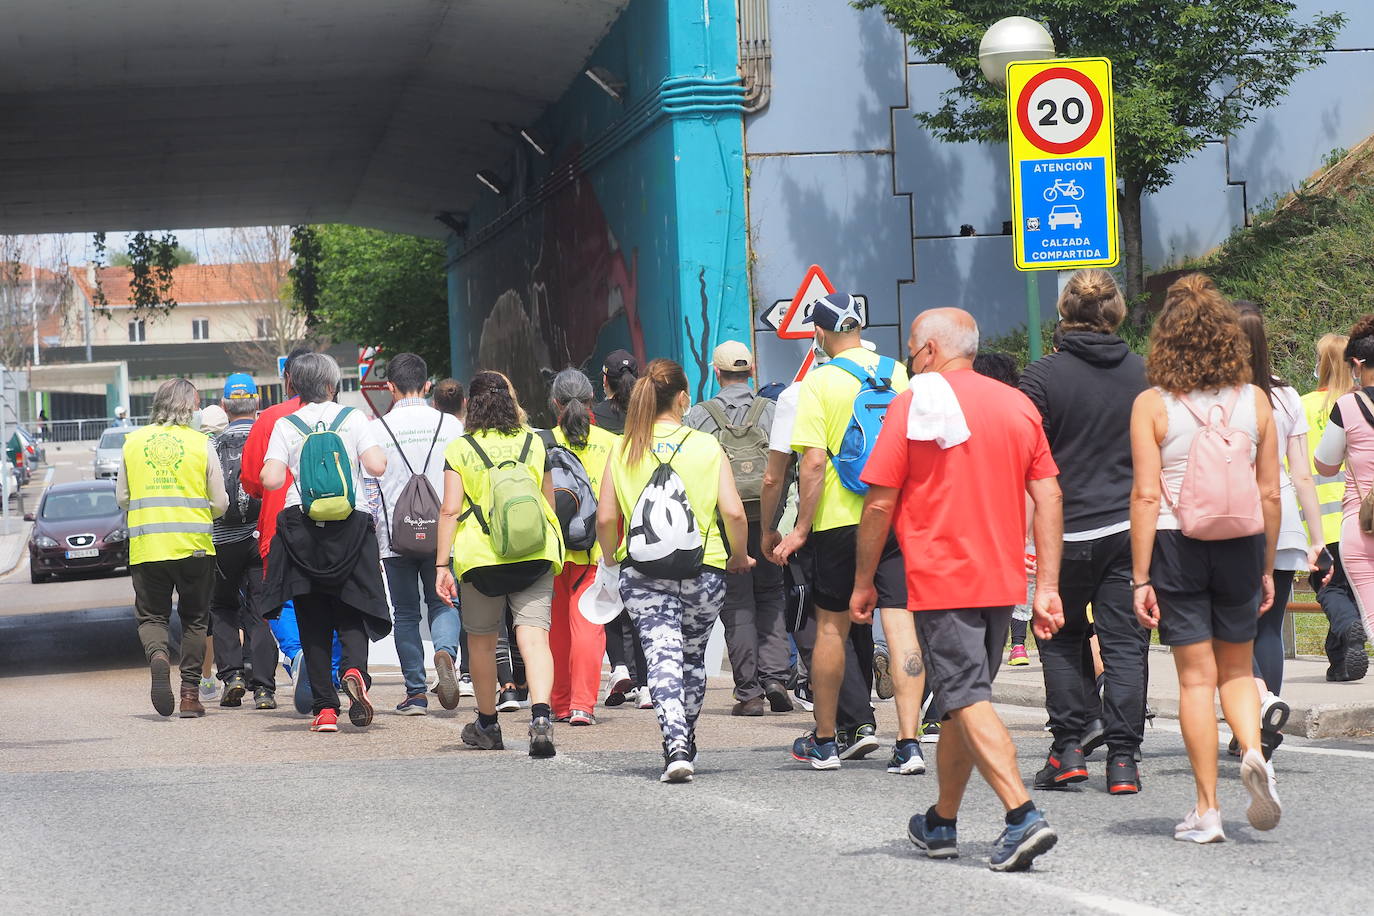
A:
(234, 605)
(171, 483)
(577, 643)
(414, 436)
(323, 555)
(507, 547)
(1083, 393)
(755, 636)
(847, 393)
(670, 489)
(1205, 515)
(958, 447)
(1345, 655)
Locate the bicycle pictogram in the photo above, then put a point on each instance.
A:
(1069, 189)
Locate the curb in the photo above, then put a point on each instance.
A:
(20, 539)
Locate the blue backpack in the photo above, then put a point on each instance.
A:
(870, 406)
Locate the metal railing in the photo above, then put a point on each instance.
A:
(77, 430)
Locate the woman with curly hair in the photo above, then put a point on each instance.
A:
(1349, 440)
(1205, 595)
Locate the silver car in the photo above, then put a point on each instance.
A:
(109, 452)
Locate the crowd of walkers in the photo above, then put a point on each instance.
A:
(868, 531)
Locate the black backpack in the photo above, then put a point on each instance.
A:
(243, 509)
(414, 522)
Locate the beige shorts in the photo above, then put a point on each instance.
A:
(530, 607)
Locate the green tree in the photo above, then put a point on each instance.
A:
(180, 255)
(382, 289)
(1183, 73)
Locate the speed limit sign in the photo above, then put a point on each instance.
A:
(1063, 163)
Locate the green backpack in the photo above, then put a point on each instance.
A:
(325, 475)
(513, 517)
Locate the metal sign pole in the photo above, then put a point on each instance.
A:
(1033, 314)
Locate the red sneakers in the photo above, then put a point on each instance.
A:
(359, 707)
(326, 721)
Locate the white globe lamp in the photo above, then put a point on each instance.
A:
(1009, 40)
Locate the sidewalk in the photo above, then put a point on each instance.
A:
(14, 540)
(1320, 709)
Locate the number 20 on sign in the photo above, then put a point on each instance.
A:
(1063, 163)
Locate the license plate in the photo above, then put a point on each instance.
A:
(83, 554)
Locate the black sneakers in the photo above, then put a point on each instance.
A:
(1062, 769)
(858, 743)
(1123, 776)
(1094, 737)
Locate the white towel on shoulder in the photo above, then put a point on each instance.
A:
(935, 414)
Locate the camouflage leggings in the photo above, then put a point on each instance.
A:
(674, 618)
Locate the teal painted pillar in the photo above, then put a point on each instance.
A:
(703, 99)
(457, 366)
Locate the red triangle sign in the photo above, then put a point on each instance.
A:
(815, 286)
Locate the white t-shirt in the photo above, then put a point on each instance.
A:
(285, 444)
(784, 418)
(414, 426)
(1290, 422)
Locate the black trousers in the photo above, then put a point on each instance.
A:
(233, 607)
(319, 617)
(624, 648)
(1097, 572)
(1338, 603)
(192, 578)
(856, 690)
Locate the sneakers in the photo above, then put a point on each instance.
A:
(1020, 843)
(1062, 769)
(857, 744)
(359, 706)
(465, 686)
(907, 760)
(1201, 828)
(1356, 661)
(507, 700)
(581, 717)
(1257, 774)
(447, 688)
(160, 673)
(882, 676)
(541, 737)
(930, 732)
(1094, 737)
(618, 686)
(209, 690)
(264, 698)
(802, 694)
(234, 689)
(416, 704)
(678, 765)
(301, 694)
(326, 720)
(1019, 657)
(754, 707)
(646, 699)
(484, 738)
(822, 755)
(1123, 776)
(938, 842)
(778, 700)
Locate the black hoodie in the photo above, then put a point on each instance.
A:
(1085, 392)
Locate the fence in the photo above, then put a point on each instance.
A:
(78, 430)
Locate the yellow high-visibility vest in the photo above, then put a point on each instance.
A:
(1330, 490)
(169, 503)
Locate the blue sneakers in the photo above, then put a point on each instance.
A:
(938, 842)
(414, 705)
(907, 760)
(822, 755)
(1020, 843)
(301, 694)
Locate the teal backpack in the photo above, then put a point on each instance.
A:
(325, 476)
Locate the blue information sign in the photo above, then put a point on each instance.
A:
(1065, 212)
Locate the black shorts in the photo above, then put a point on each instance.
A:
(830, 561)
(963, 650)
(1207, 589)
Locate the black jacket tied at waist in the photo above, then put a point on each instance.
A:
(331, 558)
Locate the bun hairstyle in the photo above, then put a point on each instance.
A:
(1091, 301)
(1361, 343)
(570, 398)
(1197, 344)
(655, 391)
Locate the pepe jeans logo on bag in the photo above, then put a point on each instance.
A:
(419, 522)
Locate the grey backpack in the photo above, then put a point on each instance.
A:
(414, 523)
(746, 447)
(573, 496)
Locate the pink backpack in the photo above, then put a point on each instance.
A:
(1219, 498)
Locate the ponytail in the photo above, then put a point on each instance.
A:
(623, 388)
(653, 394)
(570, 395)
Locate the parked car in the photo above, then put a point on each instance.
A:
(78, 527)
(109, 452)
(19, 456)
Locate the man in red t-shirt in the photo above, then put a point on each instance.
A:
(957, 503)
(254, 452)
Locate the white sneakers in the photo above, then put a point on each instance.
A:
(1204, 828)
(1258, 776)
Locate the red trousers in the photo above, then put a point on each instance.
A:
(577, 644)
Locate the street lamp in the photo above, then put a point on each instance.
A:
(1007, 41)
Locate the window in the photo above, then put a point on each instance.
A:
(138, 330)
(200, 328)
(265, 328)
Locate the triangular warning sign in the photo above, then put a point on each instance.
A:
(815, 286)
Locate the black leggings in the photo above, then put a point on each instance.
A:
(318, 617)
(1269, 634)
(624, 648)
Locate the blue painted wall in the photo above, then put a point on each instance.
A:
(631, 232)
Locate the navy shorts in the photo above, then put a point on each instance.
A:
(963, 650)
(830, 561)
(1207, 589)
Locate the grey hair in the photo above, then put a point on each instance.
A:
(316, 377)
(954, 338)
(570, 385)
(239, 407)
(175, 403)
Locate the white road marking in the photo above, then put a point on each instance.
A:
(1287, 746)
